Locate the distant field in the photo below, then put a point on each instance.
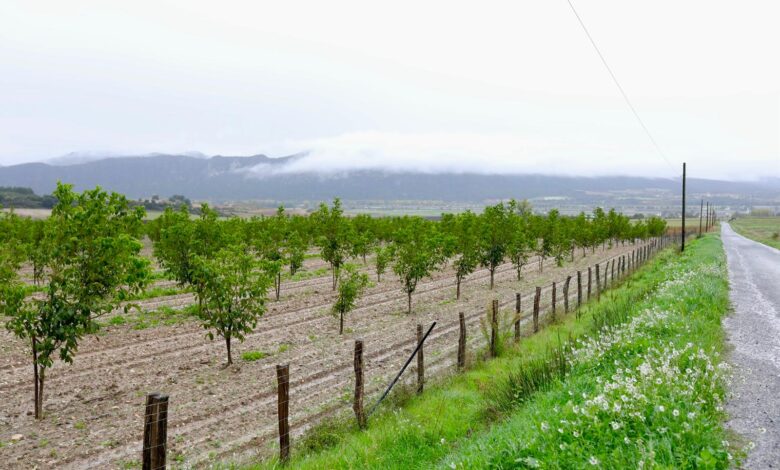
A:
(762, 229)
(32, 213)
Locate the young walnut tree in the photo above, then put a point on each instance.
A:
(234, 293)
(351, 286)
(418, 253)
(93, 264)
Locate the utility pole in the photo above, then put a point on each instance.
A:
(682, 243)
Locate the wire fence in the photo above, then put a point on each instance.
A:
(342, 384)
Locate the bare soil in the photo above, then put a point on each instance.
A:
(94, 408)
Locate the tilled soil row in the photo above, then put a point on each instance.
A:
(277, 313)
(202, 417)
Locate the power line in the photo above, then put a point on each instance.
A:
(617, 83)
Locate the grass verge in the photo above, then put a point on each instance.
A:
(765, 230)
(539, 382)
(643, 393)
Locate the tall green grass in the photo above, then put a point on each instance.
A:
(646, 391)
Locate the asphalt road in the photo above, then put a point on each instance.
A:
(753, 329)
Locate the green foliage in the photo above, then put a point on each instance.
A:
(462, 241)
(418, 252)
(234, 293)
(494, 236)
(94, 263)
(521, 241)
(333, 237)
(383, 257)
(351, 285)
(251, 356)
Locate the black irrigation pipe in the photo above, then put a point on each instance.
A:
(392, 384)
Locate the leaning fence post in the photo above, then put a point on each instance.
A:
(357, 406)
(420, 360)
(462, 341)
(155, 431)
(494, 328)
(518, 299)
(536, 308)
(283, 410)
(566, 294)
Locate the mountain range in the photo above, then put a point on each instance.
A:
(258, 177)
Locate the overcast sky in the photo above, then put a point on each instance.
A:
(486, 86)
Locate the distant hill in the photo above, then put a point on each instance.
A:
(223, 179)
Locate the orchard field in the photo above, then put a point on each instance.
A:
(109, 308)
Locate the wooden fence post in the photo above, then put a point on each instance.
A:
(579, 289)
(518, 299)
(598, 281)
(566, 295)
(462, 341)
(155, 431)
(536, 308)
(357, 406)
(420, 361)
(554, 299)
(589, 280)
(283, 410)
(611, 273)
(494, 328)
(623, 265)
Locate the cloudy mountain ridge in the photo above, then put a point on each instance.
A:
(259, 177)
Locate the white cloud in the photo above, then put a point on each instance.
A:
(443, 152)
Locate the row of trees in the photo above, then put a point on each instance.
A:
(412, 247)
(87, 258)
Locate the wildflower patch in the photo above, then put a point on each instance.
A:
(644, 393)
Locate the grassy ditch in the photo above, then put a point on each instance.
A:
(492, 415)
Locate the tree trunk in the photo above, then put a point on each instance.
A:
(492, 273)
(41, 381)
(278, 284)
(457, 289)
(409, 302)
(341, 323)
(35, 379)
(230, 355)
